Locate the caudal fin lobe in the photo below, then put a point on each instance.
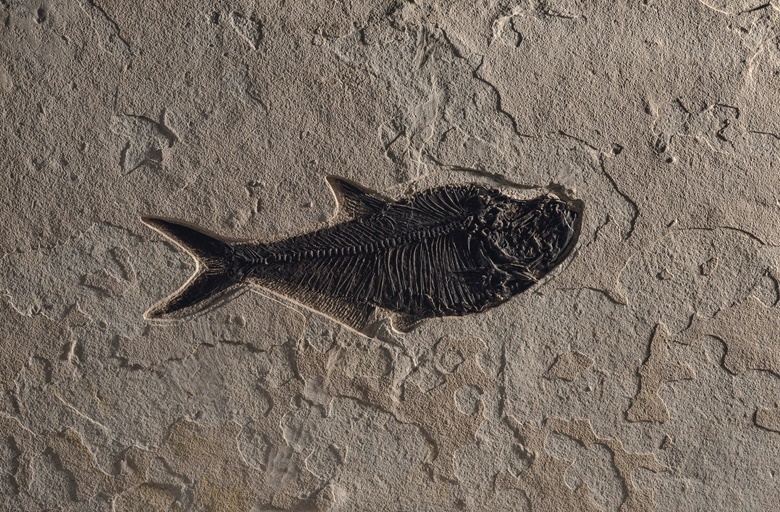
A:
(218, 270)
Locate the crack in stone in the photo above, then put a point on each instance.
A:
(601, 155)
(109, 28)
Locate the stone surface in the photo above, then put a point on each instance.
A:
(642, 374)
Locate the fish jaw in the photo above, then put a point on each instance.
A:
(542, 233)
(565, 220)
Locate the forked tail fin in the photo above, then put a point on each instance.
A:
(219, 270)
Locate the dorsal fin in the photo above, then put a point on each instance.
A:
(354, 200)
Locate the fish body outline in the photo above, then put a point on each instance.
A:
(452, 250)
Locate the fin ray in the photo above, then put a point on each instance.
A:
(203, 291)
(360, 317)
(355, 200)
(218, 272)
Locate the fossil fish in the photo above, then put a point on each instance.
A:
(452, 250)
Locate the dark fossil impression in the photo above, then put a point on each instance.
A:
(453, 250)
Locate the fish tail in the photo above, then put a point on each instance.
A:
(219, 270)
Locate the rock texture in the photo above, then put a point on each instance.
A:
(643, 374)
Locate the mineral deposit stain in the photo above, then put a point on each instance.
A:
(453, 250)
(747, 329)
(658, 368)
(768, 419)
(569, 366)
(544, 481)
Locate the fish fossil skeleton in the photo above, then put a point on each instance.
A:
(452, 250)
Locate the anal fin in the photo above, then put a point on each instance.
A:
(405, 323)
(361, 317)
